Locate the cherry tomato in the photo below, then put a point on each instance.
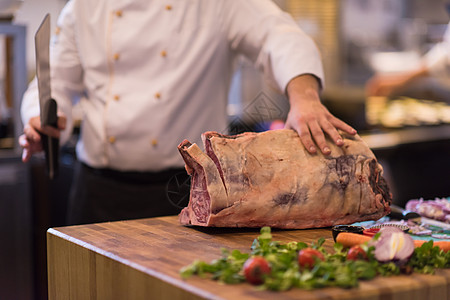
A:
(255, 268)
(371, 231)
(356, 252)
(307, 257)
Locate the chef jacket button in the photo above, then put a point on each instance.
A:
(116, 97)
(154, 142)
(119, 13)
(157, 95)
(163, 53)
(168, 7)
(116, 56)
(112, 139)
(57, 30)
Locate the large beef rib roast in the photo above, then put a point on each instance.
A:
(269, 179)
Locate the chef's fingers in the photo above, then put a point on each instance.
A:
(35, 123)
(31, 139)
(26, 155)
(339, 124)
(23, 142)
(29, 146)
(51, 131)
(31, 133)
(305, 136)
(319, 137)
(62, 121)
(332, 132)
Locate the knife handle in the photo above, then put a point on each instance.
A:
(399, 213)
(51, 144)
(51, 150)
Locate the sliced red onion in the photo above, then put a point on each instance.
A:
(412, 204)
(383, 249)
(435, 209)
(424, 232)
(444, 204)
(389, 228)
(405, 250)
(431, 210)
(393, 245)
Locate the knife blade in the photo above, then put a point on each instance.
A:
(47, 105)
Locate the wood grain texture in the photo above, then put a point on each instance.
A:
(141, 259)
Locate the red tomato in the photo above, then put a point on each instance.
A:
(371, 231)
(356, 252)
(307, 257)
(255, 268)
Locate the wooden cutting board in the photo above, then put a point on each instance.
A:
(141, 259)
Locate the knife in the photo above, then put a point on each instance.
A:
(399, 213)
(47, 105)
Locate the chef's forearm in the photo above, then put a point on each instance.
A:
(423, 71)
(303, 87)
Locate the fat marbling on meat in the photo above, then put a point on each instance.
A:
(269, 179)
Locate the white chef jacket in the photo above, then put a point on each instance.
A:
(149, 74)
(437, 60)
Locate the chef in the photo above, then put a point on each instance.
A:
(435, 63)
(149, 74)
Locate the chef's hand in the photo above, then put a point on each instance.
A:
(30, 140)
(310, 118)
(387, 84)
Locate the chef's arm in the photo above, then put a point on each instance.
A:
(387, 84)
(310, 118)
(273, 41)
(435, 63)
(67, 87)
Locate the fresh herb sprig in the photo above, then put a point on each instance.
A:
(427, 258)
(335, 270)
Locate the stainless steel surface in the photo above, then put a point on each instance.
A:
(42, 43)
(394, 138)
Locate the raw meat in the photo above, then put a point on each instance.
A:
(269, 179)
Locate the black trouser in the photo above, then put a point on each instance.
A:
(100, 195)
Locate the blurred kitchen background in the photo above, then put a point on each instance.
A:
(357, 38)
